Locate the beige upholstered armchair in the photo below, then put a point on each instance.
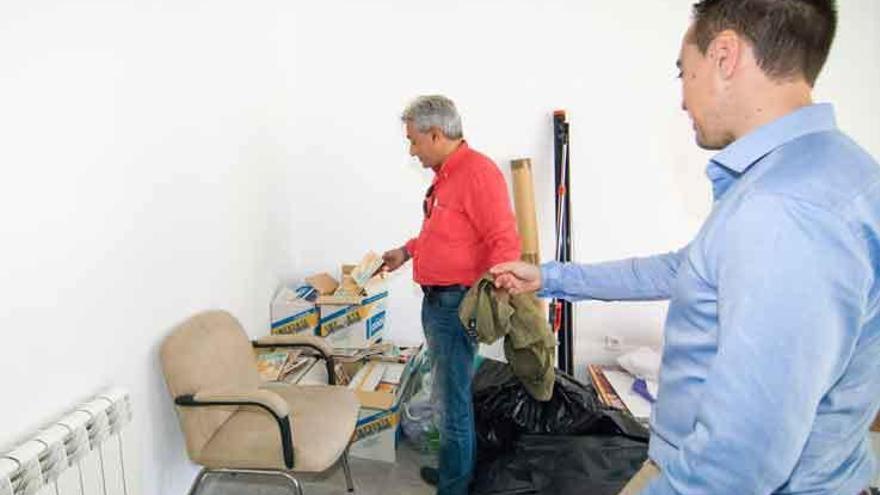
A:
(235, 424)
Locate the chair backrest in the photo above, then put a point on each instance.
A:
(209, 351)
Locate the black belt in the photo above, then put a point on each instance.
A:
(428, 289)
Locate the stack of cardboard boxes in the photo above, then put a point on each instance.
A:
(350, 313)
(380, 385)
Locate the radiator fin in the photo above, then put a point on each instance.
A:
(81, 454)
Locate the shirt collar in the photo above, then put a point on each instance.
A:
(452, 161)
(745, 151)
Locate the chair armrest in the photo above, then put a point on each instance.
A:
(268, 400)
(258, 397)
(309, 341)
(312, 341)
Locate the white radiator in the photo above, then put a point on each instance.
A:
(84, 453)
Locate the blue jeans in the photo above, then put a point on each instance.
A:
(452, 352)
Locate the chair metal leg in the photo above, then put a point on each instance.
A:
(297, 486)
(348, 482)
(293, 483)
(198, 481)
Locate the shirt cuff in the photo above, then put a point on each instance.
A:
(551, 273)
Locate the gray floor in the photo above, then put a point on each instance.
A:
(370, 478)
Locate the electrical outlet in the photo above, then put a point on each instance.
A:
(613, 343)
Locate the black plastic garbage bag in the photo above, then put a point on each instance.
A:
(560, 465)
(504, 411)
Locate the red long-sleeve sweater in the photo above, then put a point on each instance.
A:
(468, 225)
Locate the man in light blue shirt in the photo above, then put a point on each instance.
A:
(771, 361)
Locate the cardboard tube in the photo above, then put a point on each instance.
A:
(524, 204)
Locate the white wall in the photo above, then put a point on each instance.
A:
(636, 178)
(160, 158)
(638, 184)
(141, 175)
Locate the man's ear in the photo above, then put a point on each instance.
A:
(725, 52)
(435, 135)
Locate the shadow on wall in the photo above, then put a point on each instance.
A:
(173, 469)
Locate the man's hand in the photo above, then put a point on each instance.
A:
(393, 259)
(517, 277)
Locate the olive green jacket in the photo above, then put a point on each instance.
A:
(528, 342)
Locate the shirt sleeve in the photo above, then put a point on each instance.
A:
(633, 279)
(792, 279)
(487, 205)
(412, 246)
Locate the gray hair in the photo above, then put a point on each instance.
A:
(437, 111)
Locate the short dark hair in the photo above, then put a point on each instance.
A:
(789, 37)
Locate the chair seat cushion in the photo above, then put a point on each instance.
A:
(323, 419)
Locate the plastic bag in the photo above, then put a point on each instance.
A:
(592, 464)
(504, 411)
(417, 418)
(419, 409)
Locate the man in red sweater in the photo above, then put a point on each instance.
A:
(468, 227)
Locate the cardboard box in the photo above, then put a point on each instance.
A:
(365, 384)
(356, 325)
(323, 282)
(293, 311)
(376, 435)
(377, 431)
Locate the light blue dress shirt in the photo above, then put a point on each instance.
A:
(771, 356)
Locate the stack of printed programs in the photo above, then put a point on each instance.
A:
(356, 354)
(354, 279)
(279, 365)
